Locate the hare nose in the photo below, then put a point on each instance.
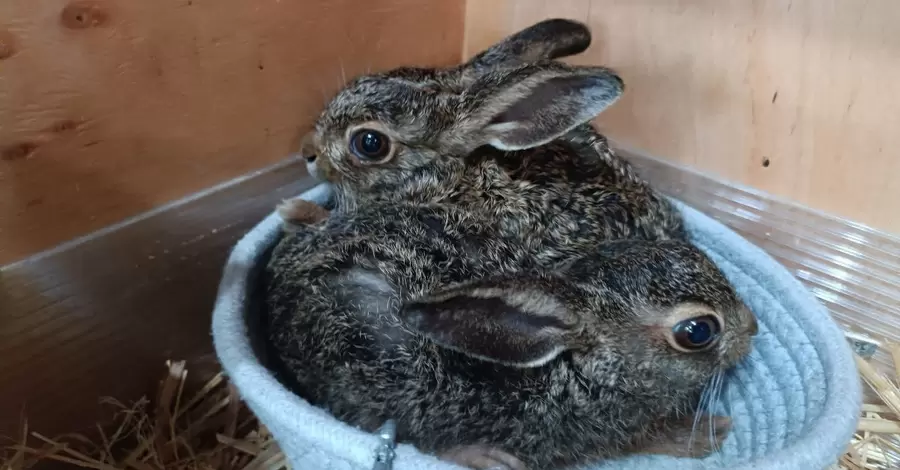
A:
(308, 149)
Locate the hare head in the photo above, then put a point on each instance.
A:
(409, 130)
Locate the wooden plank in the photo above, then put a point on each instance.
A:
(798, 98)
(109, 108)
(100, 316)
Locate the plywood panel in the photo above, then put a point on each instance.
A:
(799, 98)
(111, 107)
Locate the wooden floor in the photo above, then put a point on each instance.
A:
(100, 316)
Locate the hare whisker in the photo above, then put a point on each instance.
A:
(704, 398)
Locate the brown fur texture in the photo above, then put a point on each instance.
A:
(500, 283)
(506, 136)
(372, 316)
(298, 211)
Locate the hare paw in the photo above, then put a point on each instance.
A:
(298, 211)
(482, 457)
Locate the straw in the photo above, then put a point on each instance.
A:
(876, 445)
(208, 430)
(212, 429)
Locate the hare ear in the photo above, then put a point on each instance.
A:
(546, 40)
(523, 327)
(535, 104)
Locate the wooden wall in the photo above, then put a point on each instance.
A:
(800, 98)
(112, 107)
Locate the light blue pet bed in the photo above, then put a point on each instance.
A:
(794, 405)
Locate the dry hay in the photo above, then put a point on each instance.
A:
(876, 444)
(210, 430)
(213, 430)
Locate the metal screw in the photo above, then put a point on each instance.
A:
(863, 346)
(384, 454)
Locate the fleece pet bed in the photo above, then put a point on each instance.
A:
(794, 404)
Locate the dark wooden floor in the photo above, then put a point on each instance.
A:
(101, 315)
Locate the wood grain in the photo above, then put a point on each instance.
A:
(111, 107)
(100, 316)
(799, 98)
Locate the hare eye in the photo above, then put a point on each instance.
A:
(370, 146)
(696, 334)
